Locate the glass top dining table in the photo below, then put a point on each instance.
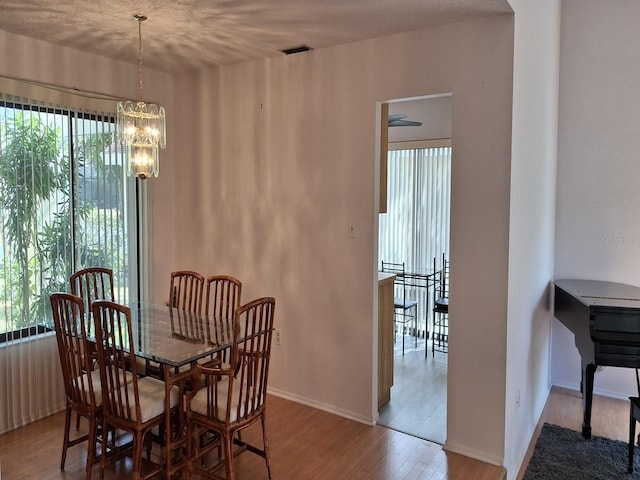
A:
(176, 337)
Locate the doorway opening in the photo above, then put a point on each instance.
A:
(414, 231)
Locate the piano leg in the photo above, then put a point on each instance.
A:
(587, 398)
(632, 433)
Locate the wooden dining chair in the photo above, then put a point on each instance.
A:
(91, 284)
(185, 293)
(95, 283)
(235, 396)
(81, 382)
(186, 290)
(223, 296)
(137, 406)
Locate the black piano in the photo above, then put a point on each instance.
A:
(605, 319)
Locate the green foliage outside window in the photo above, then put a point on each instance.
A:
(55, 203)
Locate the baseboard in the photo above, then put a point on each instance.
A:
(473, 453)
(596, 391)
(321, 406)
(522, 455)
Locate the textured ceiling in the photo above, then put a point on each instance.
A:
(191, 34)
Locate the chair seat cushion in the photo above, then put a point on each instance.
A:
(199, 401)
(404, 303)
(83, 381)
(97, 385)
(441, 305)
(152, 395)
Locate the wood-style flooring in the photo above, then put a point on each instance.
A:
(418, 404)
(308, 443)
(609, 417)
(305, 444)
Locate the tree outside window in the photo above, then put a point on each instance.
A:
(62, 207)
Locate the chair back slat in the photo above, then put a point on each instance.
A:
(114, 337)
(250, 358)
(92, 283)
(442, 284)
(223, 294)
(401, 287)
(186, 289)
(71, 334)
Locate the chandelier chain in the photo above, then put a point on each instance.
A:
(140, 18)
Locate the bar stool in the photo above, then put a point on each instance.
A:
(406, 309)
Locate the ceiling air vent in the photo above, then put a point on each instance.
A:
(300, 49)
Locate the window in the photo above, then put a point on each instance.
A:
(415, 228)
(65, 204)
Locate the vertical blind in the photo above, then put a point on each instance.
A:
(415, 229)
(65, 204)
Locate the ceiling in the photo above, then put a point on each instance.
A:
(193, 34)
(433, 114)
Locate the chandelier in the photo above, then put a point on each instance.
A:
(141, 127)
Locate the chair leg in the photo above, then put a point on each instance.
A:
(395, 327)
(433, 336)
(265, 444)
(92, 438)
(426, 333)
(190, 453)
(228, 456)
(137, 455)
(65, 443)
(415, 327)
(632, 434)
(103, 456)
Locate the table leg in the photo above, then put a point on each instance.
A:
(167, 419)
(175, 438)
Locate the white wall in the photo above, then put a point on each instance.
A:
(268, 160)
(25, 58)
(284, 156)
(531, 242)
(597, 227)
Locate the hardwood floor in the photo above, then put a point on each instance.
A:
(305, 444)
(609, 417)
(418, 404)
(417, 379)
